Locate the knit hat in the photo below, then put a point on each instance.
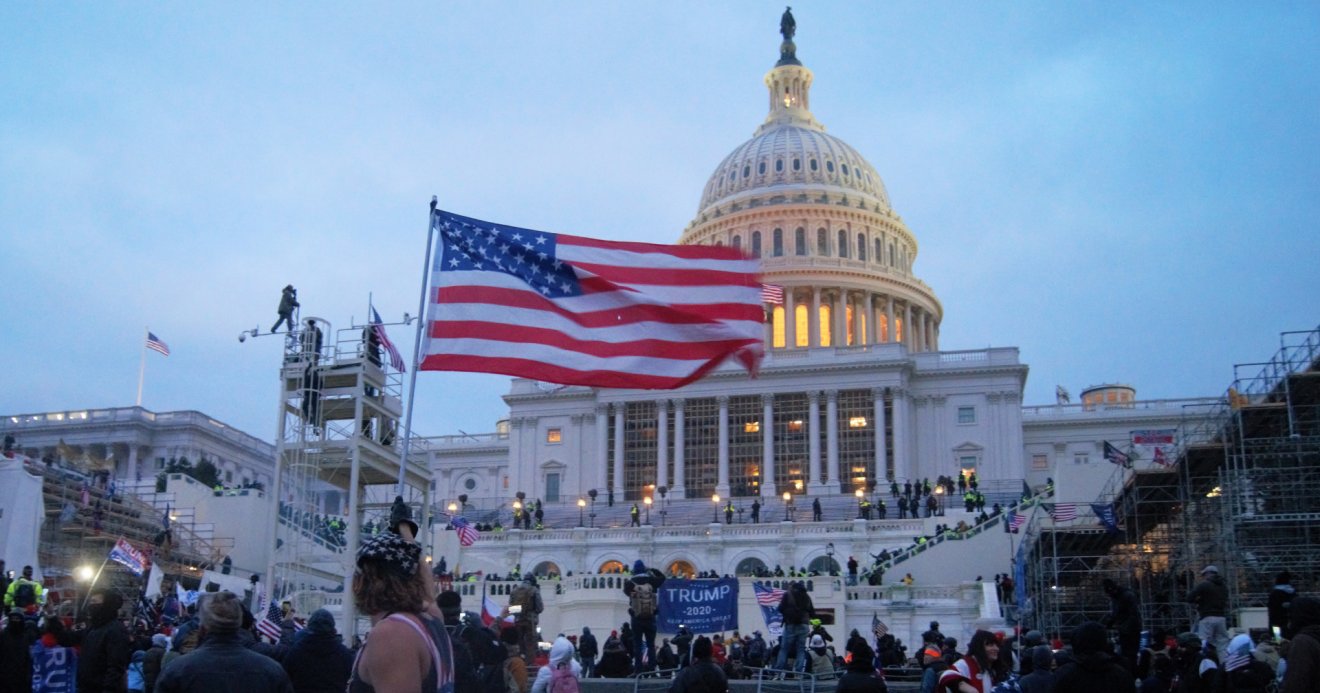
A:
(1210, 569)
(638, 567)
(391, 550)
(321, 622)
(221, 612)
(701, 648)
(1089, 637)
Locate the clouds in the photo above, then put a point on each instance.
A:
(1125, 192)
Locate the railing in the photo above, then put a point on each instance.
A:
(131, 414)
(1170, 406)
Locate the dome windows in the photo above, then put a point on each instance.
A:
(800, 241)
(829, 166)
(777, 247)
(814, 165)
(760, 169)
(861, 247)
(844, 168)
(797, 164)
(822, 243)
(756, 244)
(737, 242)
(843, 243)
(747, 171)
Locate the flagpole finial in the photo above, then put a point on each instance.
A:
(434, 201)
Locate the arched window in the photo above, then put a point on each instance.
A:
(777, 329)
(801, 326)
(737, 243)
(760, 168)
(822, 243)
(844, 168)
(814, 165)
(681, 569)
(800, 241)
(797, 164)
(825, 565)
(893, 261)
(750, 567)
(778, 243)
(861, 247)
(747, 171)
(829, 166)
(843, 243)
(879, 250)
(779, 165)
(611, 567)
(824, 321)
(546, 569)
(756, 244)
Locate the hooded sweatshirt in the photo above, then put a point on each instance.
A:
(1210, 596)
(1244, 673)
(1303, 674)
(1093, 669)
(560, 652)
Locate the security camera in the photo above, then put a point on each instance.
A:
(242, 337)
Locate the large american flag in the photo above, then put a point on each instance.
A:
(1016, 520)
(271, 625)
(766, 595)
(467, 534)
(580, 311)
(396, 359)
(155, 344)
(1063, 512)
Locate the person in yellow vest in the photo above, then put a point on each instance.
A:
(728, 512)
(636, 516)
(25, 594)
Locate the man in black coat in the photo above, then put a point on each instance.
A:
(1093, 669)
(318, 661)
(15, 655)
(222, 663)
(703, 676)
(1124, 617)
(588, 649)
(103, 660)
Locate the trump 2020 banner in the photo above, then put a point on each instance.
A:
(704, 606)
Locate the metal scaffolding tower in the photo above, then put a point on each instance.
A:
(337, 446)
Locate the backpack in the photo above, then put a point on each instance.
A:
(563, 680)
(25, 594)
(466, 678)
(756, 652)
(643, 599)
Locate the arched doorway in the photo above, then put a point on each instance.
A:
(546, 569)
(750, 567)
(681, 569)
(823, 565)
(611, 567)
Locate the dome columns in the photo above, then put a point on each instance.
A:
(846, 317)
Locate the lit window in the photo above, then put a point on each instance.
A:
(824, 320)
(554, 435)
(802, 331)
(1040, 462)
(857, 422)
(778, 327)
(966, 415)
(752, 427)
(967, 464)
(795, 426)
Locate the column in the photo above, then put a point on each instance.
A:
(768, 331)
(925, 343)
(878, 417)
(901, 469)
(907, 325)
(618, 451)
(790, 319)
(722, 482)
(662, 443)
(679, 490)
(132, 471)
(767, 444)
(813, 438)
(813, 320)
(831, 470)
(889, 318)
(602, 440)
(872, 324)
(840, 319)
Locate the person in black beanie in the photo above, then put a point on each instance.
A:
(318, 661)
(860, 675)
(703, 675)
(104, 655)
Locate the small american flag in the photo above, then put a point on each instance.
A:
(154, 344)
(1161, 458)
(878, 627)
(1063, 512)
(772, 293)
(467, 535)
(767, 596)
(271, 625)
(1016, 520)
(396, 359)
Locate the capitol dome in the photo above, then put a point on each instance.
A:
(817, 214)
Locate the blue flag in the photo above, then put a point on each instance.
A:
(704, 606)
(1105, 511)
(767, 598)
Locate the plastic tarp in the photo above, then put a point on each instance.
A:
(22, 510)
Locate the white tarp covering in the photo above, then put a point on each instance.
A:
(22, 511)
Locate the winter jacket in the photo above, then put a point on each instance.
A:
(861, 682)
(1210, 596)
(560, 652)
(103, 659)
(1303, 673)
(704, 676)
(1277, 606)
(318, 662)
(222, 664)
(151, 666)
(587, 647)
(1093, 669)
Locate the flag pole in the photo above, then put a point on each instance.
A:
(142, 368)
(417, 344)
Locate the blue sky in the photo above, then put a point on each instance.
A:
(1126, 191)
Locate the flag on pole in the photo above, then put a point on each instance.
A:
(154, 577)
(772, 293)
(145, 612)
(1161, 458)
(1105, 511)
(271, 625)
(186, 597)
(581, 311)
(165, 518)
(124, 554)
(1015, 521)
(467, 534)
(154, 344)
(1063, 512)
(1117, 456)
(768, 599)
(878, 627)
(396, 359)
